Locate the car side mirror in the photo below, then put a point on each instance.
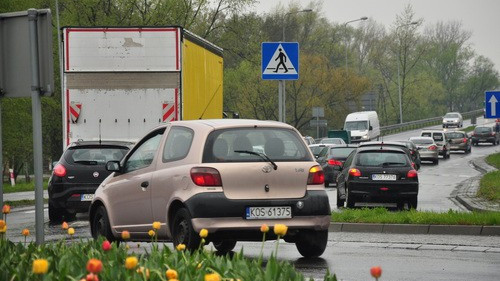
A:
(371, 128)
(113, 166)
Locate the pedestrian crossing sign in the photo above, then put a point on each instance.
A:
(280, 60)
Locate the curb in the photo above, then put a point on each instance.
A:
(487, 230)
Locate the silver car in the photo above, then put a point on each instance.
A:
(427, 148)
(229, 176)
(453, 119)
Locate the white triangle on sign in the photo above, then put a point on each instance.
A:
(273, 68)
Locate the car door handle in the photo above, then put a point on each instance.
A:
(145, 184)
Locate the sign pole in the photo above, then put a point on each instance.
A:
(1, 153)
(317, 126)
(280, 100)
(284, 101)
(36, 105)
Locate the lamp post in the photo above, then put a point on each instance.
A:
(281, 91)
(345, 28)
(399, 83)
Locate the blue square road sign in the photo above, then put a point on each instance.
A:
(492, 104)
(280, 60)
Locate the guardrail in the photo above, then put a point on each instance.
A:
(413, 125)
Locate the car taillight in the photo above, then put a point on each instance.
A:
(412, 174)
(206, 177)
(316, 175)
(59, 170)
(464, 140)
(334, 162)
(433, 147)
(354, 172)
(492, 134)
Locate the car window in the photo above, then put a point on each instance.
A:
(356, 125)
(94, 155)
(455, 135)
(482, 130)
(143, 155)
(178, 143)
(426, 134)
(278, 144)
(381, 158)
(451, 115)
(349, 159)
(438, 137)
(318, 150)
(422, 141)
(341, 152)
(333, 141)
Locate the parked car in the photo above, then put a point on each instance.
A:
(206, 174)
(459, 140)
(453, 119)
(332, 141)
(334, 161)
(77, 175)
(427, 149)
(414, 157)
(483, 134)
(378, 174)
(309, 140)
(441, 141)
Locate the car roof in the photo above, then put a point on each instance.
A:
(231, 123)
(421, 138)
(380, 148)
(344, 146)
(103, 143)
(433, 131)
(323, 145)
(382, 143)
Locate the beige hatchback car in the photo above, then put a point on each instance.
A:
(228, 176)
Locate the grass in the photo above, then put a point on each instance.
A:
(22, 186)
(382, 215)
(469, 129)
(24, 202)
(489, 187)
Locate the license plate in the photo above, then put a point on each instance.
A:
(255, 213)
(87, 197)
(383, 177)
(482, 139)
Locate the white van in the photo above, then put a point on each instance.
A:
(364, 126)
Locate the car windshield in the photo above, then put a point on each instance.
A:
(95, 155)
(455, 135)
(233, 145)
(333, 141)
(437, 137)
(381, 158)
(482, 130)
(356, 126)
(341, 152)
(422, 141)
(451, 115)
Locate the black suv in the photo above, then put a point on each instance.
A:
(378, 174)
(77, 175)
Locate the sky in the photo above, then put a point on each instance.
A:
(481, 17)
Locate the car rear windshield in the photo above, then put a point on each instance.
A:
(437, 136)
(333, 141)
(455, 135)
(381, 158)
(356, 125)
(341, 152)
(422, 141)
(482, 130)
(94, 155)
(279, 144)
(451, 115)
(317, 150)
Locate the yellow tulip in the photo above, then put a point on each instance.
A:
(2, 223)
(71, 231)
(151, 233)
(125, 235)
(25, 232)
(203, 233)
(212, 277)
(131, 262)
(40, 266)
(3, 229)
(180, 247)
(280, 229)
(171, 274)
(64, 225)
(156, 225)
(264, 228)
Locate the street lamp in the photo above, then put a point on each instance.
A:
(345, 28)
(282, 92)
(399, 83)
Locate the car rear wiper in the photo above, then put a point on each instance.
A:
(391, 163)
(261, 155)
(86, 162)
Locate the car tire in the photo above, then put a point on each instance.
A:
(224, 246)
(349, 199)
(327, 184)
(340, 202)
(435, 161)
(312, 243)
(413, 203)
(401, 205)
(100, 226)
(56, 214)
(183, 232)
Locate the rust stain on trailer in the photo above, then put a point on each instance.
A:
(129, 43)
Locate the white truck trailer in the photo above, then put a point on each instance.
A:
(120, 82)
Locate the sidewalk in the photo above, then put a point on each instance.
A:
(467, 190)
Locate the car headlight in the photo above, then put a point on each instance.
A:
(365, 137)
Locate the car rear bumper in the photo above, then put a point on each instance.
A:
(483, 139)
(429, 155)
(461, 146)
(69, 198)
(373, 191)
(214, 211)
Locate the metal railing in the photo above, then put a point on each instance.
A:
(413, 125)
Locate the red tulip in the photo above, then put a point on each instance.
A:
(376, 271)
(94, 266)
(106, 246)
(92, 277)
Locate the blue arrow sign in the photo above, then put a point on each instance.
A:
(280, 60)
(492, 104)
